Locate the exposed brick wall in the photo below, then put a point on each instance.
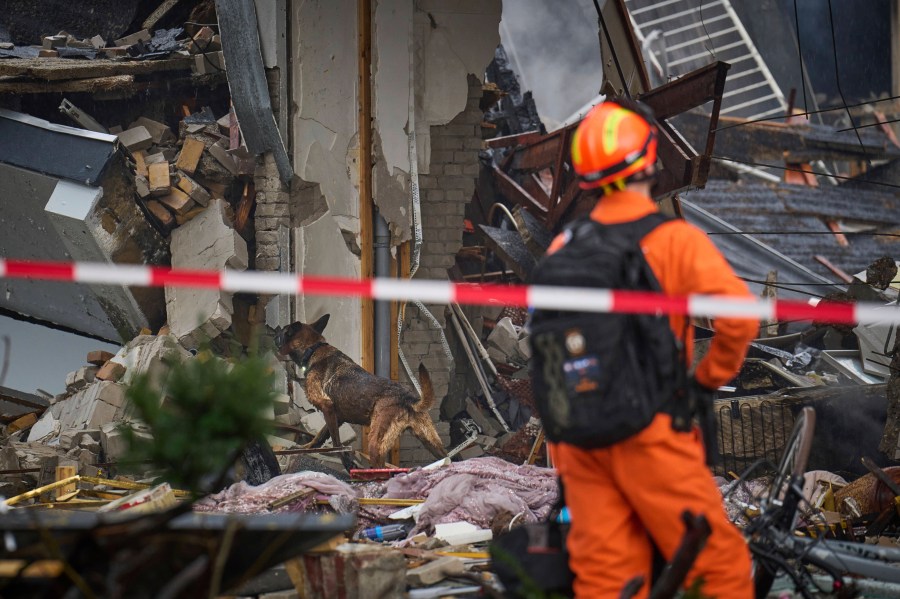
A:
(272, 199)
(272, 212)
(444, 192)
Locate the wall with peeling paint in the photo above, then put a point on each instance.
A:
(445, 41)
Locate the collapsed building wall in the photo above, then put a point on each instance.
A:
(428, 59)
(440, 50)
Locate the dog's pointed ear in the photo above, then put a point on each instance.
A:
(320, 324)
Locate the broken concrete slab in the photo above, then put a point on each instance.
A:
(347, 434)
(480, 419)
(159, 132)
(9, 459)
(207, 242)
(225, 159)
(136, 139)
(152, 355)
(211, 62)
(68, 439)
(97, 413)
(314, 422)
(46, 427)
(112, 440)
(282, 404)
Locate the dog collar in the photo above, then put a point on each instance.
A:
(307, 356)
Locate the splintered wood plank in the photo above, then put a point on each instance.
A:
(57, 69)
(190, 155)
(22, 423)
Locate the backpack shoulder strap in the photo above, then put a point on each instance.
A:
(631, 231)
(640, 228)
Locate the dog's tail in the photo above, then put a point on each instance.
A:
(427, 398)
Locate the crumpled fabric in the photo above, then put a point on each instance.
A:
(241, 498)
(737, 495)
(476, 491)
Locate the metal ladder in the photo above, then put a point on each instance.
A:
(694, 33)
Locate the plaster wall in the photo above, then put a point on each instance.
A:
(320, 250)
(444, 41)
(325, 141)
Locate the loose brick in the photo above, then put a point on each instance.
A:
(191, 151)
(193, 189)
(140, 163)
(161, 213)
(142, 187)
(111, 371)
(98, 357)
(159, 178)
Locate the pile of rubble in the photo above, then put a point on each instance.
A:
(167, 169)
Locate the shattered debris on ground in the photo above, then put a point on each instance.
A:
(154, 166)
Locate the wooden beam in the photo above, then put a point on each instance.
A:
(622, 44)
(366, 212)
(159, 13)
(57, 69)
(93, 85)
(513, 192)
(399, 269)
(366, 225)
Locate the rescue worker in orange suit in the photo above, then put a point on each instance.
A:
(622, 496)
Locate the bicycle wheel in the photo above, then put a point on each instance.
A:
(779, 508)
(795, 456)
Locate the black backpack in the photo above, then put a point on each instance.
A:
(599, 378)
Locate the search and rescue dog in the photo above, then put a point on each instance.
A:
(345, 392)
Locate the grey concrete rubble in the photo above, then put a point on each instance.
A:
(206, 242)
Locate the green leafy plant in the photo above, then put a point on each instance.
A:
(201, 418)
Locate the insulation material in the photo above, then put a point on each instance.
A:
(476, 491)
(241, 498)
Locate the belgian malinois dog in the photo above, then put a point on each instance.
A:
(345, 392)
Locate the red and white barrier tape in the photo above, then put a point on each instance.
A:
(443, 292)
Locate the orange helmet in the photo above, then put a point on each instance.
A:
(611, 144)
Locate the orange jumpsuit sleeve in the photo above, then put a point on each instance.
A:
(703, 270)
